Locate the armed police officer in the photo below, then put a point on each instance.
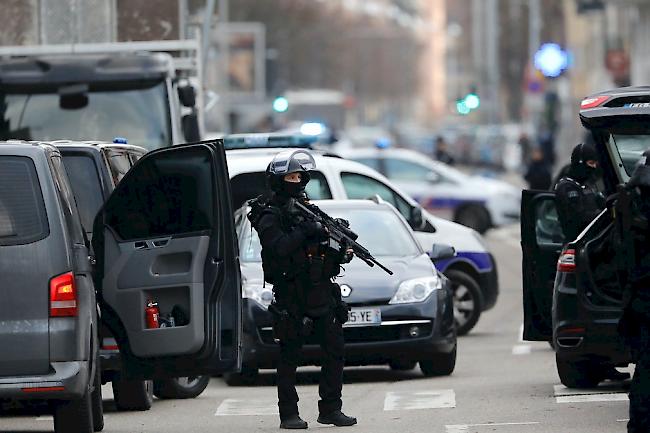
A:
(300, 263)
(576, 196)
(632, 217)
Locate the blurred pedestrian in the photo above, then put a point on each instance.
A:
(442, 154)
(524, 144)
(538, 174)
(547, 144)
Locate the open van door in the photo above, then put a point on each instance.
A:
(541, 244)
(166, 235)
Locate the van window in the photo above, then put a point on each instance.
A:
(168, 194)
(86, 186)
(69, 203)
(246, 186)
(362, 187)
(23, 218)
(119, 163)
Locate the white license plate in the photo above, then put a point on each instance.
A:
(364, 317)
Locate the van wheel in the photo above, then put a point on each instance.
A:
(468, 300)
(180, 387)
(97, 401)
(441, 364)
(246, 377)
(74, 416)
(474, 216)
(133, 394)
(577, 374)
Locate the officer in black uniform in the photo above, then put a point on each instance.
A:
(299, 262)
(577, 199)
(633, 224)
(578, 202)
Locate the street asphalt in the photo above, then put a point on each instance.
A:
(501, 384)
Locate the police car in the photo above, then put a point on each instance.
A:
(472, 271)
(572, 294)
(474, 201)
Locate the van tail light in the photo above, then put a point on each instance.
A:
(567, 261)
(63, 296)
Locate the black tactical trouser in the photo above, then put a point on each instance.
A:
(640, 388)
(329, 334)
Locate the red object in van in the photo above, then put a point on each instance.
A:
(151, 313)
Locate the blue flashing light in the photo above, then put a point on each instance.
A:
(120, 140)
(551, 60)
(383, 143)
(312, 128)
(280, 104)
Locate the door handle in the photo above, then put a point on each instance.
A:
(140, 245)
(159, 243)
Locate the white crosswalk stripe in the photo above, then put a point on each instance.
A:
(563, 394)
(414, 400)
(247, 407)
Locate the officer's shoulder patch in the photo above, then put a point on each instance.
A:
(573, 194)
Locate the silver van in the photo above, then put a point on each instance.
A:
(153, 238)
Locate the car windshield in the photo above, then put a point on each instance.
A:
(630, 147)
(139, 112)
(395, 241)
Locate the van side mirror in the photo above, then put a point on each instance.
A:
(191, 131)
(441, 252)
(187, 95)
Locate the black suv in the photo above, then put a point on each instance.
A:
(165, 232)
(94, 170)
(572, 294)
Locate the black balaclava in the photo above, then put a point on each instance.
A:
(579, 170)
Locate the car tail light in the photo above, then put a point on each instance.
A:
(109, 344)
(567, 261)
(63, 296)
(593, 102)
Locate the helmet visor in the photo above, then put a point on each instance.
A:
(292, 161)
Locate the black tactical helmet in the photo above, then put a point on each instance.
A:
(287, 162)
(581, 154)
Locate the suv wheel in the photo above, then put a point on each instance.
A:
(74, 416)
(246, 377)
(468, 301)
(577, 374)
(180, 387)
(474, 216)
(441, 364)
(133, 394)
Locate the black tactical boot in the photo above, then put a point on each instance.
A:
(293, 422)
(337, 418)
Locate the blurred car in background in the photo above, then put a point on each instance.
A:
(472, 271)
(400, 319)
(474, 201)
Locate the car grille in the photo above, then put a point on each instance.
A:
(366, 334)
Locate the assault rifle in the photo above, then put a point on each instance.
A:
(336, 230)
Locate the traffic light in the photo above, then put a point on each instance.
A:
(471, 101)
(280, 104)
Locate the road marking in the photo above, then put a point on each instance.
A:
(590, 398)
(603, 393)
(623, 420)
(49, 418)
(408, 400)
(247, 407)
(521, 333)
(460, 428)
(521, 349)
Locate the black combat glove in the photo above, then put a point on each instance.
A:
(313, 229)
(342, 312)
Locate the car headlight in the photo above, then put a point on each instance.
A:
(262, 293)
(416, 290)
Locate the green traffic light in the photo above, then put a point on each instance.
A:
(280, 104)
(462, 108)
(472, 101)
